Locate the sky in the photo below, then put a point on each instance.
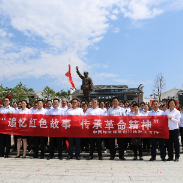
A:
(119, 42)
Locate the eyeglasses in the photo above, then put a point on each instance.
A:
(6, 100)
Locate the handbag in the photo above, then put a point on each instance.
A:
(136, 141)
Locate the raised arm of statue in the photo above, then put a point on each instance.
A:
(80, 75)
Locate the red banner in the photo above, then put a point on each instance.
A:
(84, 126)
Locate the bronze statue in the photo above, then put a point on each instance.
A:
(87, 84)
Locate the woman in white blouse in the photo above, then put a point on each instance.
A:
(173, 116)
(23, 110)
(181, 127)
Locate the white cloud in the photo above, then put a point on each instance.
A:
(113, 17)
(67, 28)
(116, 30)
(115, 11)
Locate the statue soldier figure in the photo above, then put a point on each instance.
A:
(87, 84)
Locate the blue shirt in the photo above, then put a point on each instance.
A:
(5, 110)
(156, 113)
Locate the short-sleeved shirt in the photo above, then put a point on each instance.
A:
(116, 111)
(25, 111)
(156, 113)
(41, 111)
(57, 111)
(76, 111)
(97, 111)
(5, 110)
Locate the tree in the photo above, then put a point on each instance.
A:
(20, 92)
(159, 85)
(1, 91)
(48, 92)
(63, 94)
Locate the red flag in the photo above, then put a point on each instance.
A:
(68, 74)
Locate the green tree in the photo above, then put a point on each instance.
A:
(48, 92)
(30, 90)
(1, 91)
(63, 94)
(19, 92)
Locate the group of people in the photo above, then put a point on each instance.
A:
(116, 108)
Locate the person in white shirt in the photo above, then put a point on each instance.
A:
(39, 140)
(15, 106)
(145, 112)
(64, 104)
(5, 139)
(69, 105)
(49, 105)
(181, 127)
(56, 110)
(173, 116)
(74, 111)
(20, 138)
(157, 112)
(127, 105)
(130, 113)
(102, 106)
(34, 107)
(137, 113)
(164, 107)
(116, 111)
(85, 108)
(121, 104)
(99, 112)
(141, 107)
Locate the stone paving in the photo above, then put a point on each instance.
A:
(95, 171)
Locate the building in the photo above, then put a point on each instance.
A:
(107, 92)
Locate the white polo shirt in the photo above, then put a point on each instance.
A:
(138, 114)
(97, 111)
(145, 113)
(76, 111)
(25, 111)
(56, 111)
(173, 123)
(156, 113)
(41, 111)
(116, 111)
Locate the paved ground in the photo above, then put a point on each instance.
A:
(36, 170)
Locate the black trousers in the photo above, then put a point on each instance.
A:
(106, 141)
(92, 146)
(181, 133)
(135, 150)
(173, 139)
(146, 143)
(121, 145)
(154, 146)
(58, 141)
(37, 141)
(5, 141)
